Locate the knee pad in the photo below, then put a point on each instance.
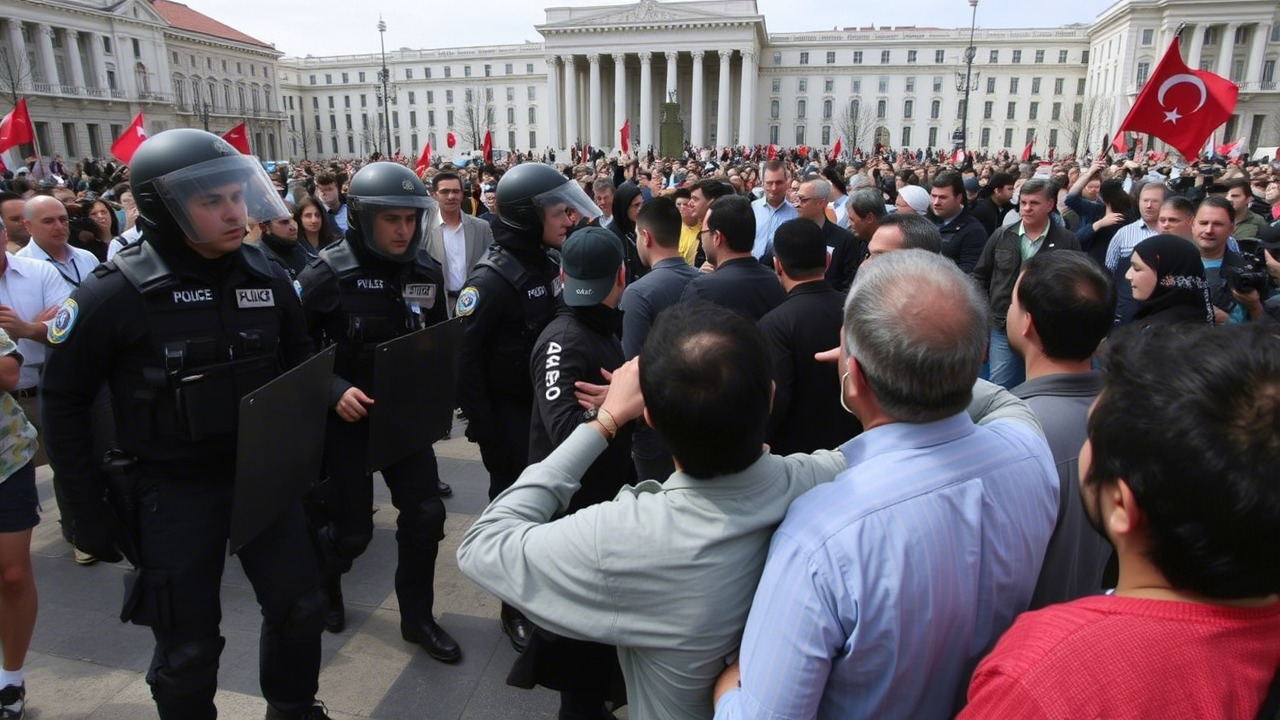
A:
(425, 522)
(189, 668)
(306, 618)
(342, 549)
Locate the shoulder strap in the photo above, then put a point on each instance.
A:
(506, 265)
(256, 261)
(340, 259)
(145, 269)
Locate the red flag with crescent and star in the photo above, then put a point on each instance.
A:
(128, 142)
(1181, 106)
(450, 140)
(15, 128)
(424, 160)
(236, 138)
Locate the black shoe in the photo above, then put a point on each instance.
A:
(315, 712)
(445, 490)
(13, 702)
(516, 627)
(335, 615)
(438, 643)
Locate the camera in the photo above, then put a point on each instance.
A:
(1253, 276)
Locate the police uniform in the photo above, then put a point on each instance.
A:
(180, 339)
(357, 299)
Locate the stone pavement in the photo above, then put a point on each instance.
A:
(85, 663)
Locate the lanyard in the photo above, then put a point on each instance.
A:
(58, 266)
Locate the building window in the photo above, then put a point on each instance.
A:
(799, 135)
(448, 97)
(906, 136)
(1008, 137)
(333, 122)
(1268, 74)
(1033, 111)
(315, 103)
(448, 118)
(880, 109)
(884, 57)
(431, 118)
(991, 85)
(1056, 111)
(773, 109)
(826, 134)
(911, 56)
(347, 117)
(448, 71)
(468, 94)
(431, 97)
(987, 108)
(1017, 56)
(933, 137)
(986, 137)
(1039, 57)
(911, 84)
(328, 79)
(800, 108)
(1012, 111)
(908, 108)
(856, 85)
(511, 94)
(533, 116)
(1077, 112)
(1057, 86)
(935, 109)
(804, 58)
(533, 139)
(1144, 71)
(488, 70)
(1035, 86)
(508, 69)
(106, 42)
(995, 56)
(884, 84)
(1084, 57)
(828, 85)
(313, 79)
(939, 56)
(1062, 56)
(426, 73)
(826, 109)
(533, 93)
(802, 85)
(1031, 135)
(777, 85)
(773, 134)
(1242, 34)
(511, 116)
(1053, 138)
(831, 57)
(1013, 86)
(528, 70)
(413, 100)
(962, 110)
(408, 73)
(137, 48)
(1148, 36)
(777, 58)
(857, 57)
(330, 102)
(1080, 83)
(937, 84)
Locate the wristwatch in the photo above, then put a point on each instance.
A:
(603, 417)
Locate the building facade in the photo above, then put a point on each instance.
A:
(87, 68)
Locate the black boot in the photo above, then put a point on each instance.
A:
(516, 627)
(445, 490)
(427, 633)
(335, 616)
(315, 712)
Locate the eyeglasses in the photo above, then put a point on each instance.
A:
(800, 199)
(705, 230)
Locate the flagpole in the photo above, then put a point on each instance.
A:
(35, 141)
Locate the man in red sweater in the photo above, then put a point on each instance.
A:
(1179, 473)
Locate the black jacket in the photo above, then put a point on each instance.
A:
(989, 213)
(1001, 261)
(741, 284)
(962, 239)
(292, 257)
(846, 253)
(807, 415)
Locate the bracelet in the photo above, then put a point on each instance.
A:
(605, 418)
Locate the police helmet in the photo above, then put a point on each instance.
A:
(529, 190)
(382, 186)
(177, 173)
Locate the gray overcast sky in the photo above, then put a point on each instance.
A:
(334, 27)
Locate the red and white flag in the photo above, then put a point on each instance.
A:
(835, 151)
(1119, 145)
(128, 142)
(237, 139)
(450, 140)
(424, 160)
(15, 128)
(1181, 106)
(625, 133)
(1026, 151)
(1231, 150)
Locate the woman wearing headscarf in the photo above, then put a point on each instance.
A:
(1168, 282)
(626, 205)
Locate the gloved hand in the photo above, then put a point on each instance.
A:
(94, 530)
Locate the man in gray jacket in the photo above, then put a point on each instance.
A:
(459, 240)
(1061, 309)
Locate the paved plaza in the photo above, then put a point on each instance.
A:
(85, 663)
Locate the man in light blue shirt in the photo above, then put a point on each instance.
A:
(883, 589)
(46, 219)
(773, 209)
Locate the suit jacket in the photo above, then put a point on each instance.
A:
(478, 236)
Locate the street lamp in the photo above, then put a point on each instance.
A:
(204, 114)
(384, 76)
(969, 82)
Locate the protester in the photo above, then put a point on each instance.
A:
(626, 206)
(772, 209)
(1187, 496)
(866, 211)
(993, 201)
(11, 205)
(844, 252)
(739, 282)
(904, 231)
(963, 236)
(1212, 228)
(1168, 283)
(335, 208)
(1247, 223)
(1176, 215)
(1151, 198)
(312, 227)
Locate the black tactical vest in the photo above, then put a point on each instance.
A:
(213, 344)
(538, 296)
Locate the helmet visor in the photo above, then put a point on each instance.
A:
(214, 199)
(565, 202)
(383, 224)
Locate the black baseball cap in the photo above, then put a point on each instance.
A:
(590, 258)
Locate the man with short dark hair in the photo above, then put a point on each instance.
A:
(11, 205)
(664, 571)
(1061, 310)
(993, 201)
(1175, 217)
(866, 211)
(1186, 494)
(602, 193)
(1248, 223)
(806, 415)
(459, 241)
(997, 270)
(904, 231)
(335, 210)
(279, 242)
(963, 235)
(773, 209)
(739, 281)
(701, 196)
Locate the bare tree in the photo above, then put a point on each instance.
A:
(855, 125)
(15, 75)
(477, 116)
(1086, 130)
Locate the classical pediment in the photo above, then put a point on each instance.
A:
(647, 12)
(139, 10)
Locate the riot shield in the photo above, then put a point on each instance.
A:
(415, 380)
(280, 445)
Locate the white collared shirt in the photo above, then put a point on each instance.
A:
(29, 286)
(73, 272)
(455, 251)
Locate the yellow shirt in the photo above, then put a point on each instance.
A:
(689, 241)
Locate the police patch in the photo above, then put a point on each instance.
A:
(467, 300)
(255, 298)
(63, 321)
(426, 292)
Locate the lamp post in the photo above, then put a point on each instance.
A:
(204, 114)
(970, 81)
(384, 75)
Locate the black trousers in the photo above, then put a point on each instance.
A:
(415, 492)
(505, 450)
(183, 525)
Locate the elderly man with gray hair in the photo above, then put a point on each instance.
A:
(844, 251)
(901, 573)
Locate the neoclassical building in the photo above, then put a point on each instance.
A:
(736, 84)
(87, 67)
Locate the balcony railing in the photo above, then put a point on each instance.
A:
(41, 88)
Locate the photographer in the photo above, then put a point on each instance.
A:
(1238, 282)
(1263, 304)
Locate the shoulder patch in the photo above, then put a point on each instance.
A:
(297, 287)
(62, 323)
(467, 300)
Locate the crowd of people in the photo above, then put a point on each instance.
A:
(768, 434)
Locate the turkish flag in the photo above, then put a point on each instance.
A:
(804, 151)
(1181, 106)
(450, 140)
(128, 142)
(487, 147)
(1026, 151)
(773, 152)
(626, 135)
(15, 128)
(237, 139)
(424, 160)
(1118, 144)
(835, 151)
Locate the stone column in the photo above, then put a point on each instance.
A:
(18, 44)
(746, 96)
(1253, 64)
(73, 58)
(724, 136)
(97, 62)
(1227, 49)
(619, 99)
(44, 37)
(698, 117)
(646, 101)
(1197, 45)
(570, 102)
(594, 135)
(673, 84)
(553, 103)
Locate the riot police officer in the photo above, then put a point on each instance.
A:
(510, 297)
(376, 285)
(182, 325)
